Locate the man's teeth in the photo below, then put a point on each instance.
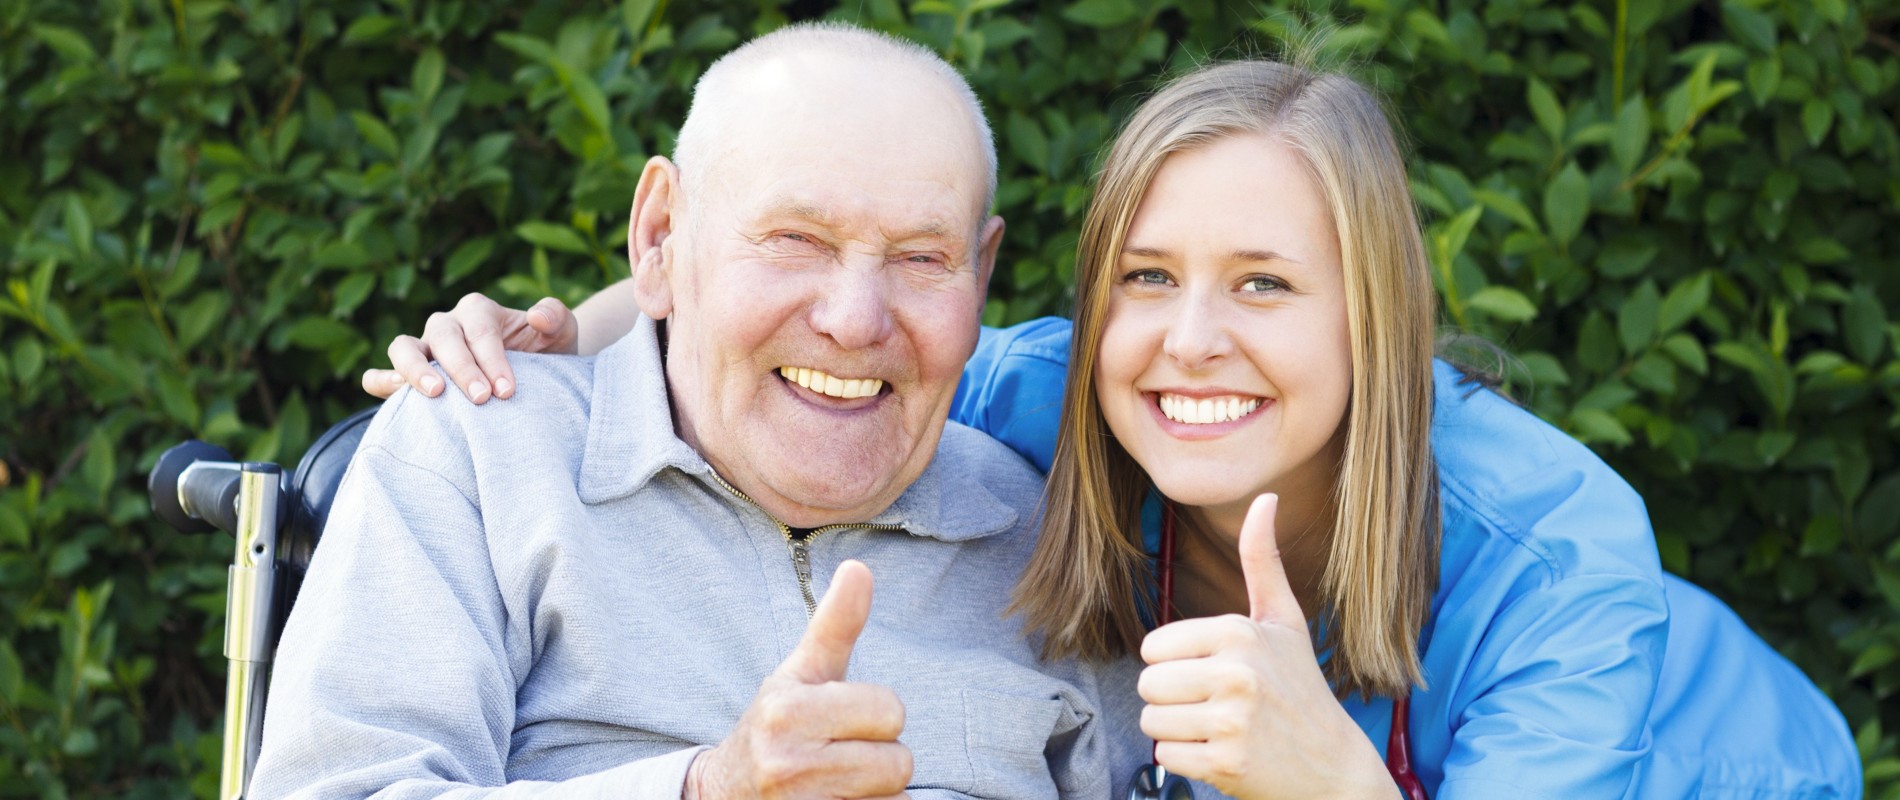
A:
(1208, 410)
(821, 383)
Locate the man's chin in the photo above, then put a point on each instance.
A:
(829, 489)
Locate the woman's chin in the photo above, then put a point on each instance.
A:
(1200, 492)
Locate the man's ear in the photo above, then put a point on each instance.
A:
(986, 244)
(649, 226)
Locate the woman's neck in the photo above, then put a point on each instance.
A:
(1208, 579)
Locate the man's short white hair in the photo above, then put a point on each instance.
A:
(699, 137)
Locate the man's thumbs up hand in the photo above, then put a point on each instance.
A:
(808, 733)
(833, 630)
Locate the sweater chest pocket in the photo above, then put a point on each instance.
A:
(999, 748)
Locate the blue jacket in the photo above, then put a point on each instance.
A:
(1560, 660)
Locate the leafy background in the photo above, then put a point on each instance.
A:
(1677, 216)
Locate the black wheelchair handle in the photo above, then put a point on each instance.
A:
(194, 488)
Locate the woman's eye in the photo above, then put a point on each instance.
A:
(1261, 283)
(796, 237)
(1146, 277)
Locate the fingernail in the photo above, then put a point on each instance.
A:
(430, 385)
(502, 387)
(392, 378)
(478, 391)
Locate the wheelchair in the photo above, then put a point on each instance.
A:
(276, 519)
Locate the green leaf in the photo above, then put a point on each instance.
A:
(1817, 116)
(1028, 142)
(1764, 77)
(370, 29)
(1631, 137)
(467, 258)
(12, 674)
(1503, 303)
(1823, 250)
(1509, 206)
(553, 236)
(101, 467)
(1686, 299)
(320, 333)
(1549, 112)
(351, 292)
(1636, 321)
(28, 358)
(201, 316)
(1752, 27)
(1625, 256)
(1101, 13)
(79, 226)
(1688, 352)
(68, 43)
(426, 76)
(1655, 372)
(1865, 323)
(1596, 344)
(1567, 203)
(1594, 425)
(1822, 536)
(375, 133)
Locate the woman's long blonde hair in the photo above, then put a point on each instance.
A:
(1085, 590)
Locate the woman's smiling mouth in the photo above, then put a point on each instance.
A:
(1204, 416)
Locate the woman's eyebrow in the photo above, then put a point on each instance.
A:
(1243, 254)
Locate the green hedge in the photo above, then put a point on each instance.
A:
(1673, 213)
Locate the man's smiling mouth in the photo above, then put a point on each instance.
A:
(831, 385)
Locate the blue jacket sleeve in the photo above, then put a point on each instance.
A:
(1012, 387)
(1558, 691)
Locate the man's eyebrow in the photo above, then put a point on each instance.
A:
(1243, 254)
(801, 210)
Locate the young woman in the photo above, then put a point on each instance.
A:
(1347, 569)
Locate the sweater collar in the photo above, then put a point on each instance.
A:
(631, 439)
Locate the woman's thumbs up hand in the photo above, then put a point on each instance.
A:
(1239, 702)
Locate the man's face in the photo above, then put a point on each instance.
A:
(826, 283)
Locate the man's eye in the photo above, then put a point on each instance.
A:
(796, 237)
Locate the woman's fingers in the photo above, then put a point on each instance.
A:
(409, 357)
(1225, 764)
(381, 383)
(557, 329)
(1174, 682)
(448, 342)
(1197, 638)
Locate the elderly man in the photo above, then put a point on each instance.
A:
(610, 586)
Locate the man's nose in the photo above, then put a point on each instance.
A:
(1197, 333)
(855, 309)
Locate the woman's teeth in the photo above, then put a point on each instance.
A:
(831, 386)
(1207, 411)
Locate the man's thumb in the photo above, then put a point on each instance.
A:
(826, 649)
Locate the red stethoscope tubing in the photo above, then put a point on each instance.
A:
(1398, 745)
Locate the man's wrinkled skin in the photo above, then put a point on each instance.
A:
(841, 225)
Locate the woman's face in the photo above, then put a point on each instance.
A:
(1224, 367)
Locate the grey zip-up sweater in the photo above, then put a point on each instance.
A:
(554, 596)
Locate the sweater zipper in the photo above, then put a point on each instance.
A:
(801, 546)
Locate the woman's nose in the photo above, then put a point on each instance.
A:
(1197, 335)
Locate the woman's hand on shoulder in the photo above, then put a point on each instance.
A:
(470, 343)
(1240, 703)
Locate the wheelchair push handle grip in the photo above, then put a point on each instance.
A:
(194, 487)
